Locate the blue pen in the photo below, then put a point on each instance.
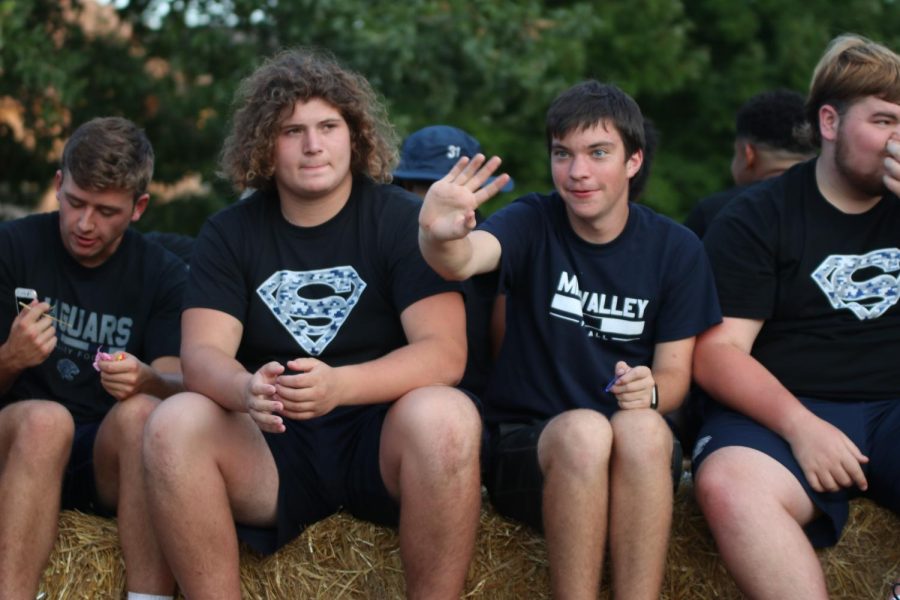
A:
(611, 383)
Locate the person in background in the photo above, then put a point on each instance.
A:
(426, 156)
(769, 139)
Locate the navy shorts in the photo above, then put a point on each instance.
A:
(79, 489)
(326, 465)
(874, 426)
(512, 473)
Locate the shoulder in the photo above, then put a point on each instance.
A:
(152, 256)
(653, 227)
(533, 207)
(384, 199)
(37, 224)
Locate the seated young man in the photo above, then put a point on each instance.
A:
(84, 364)
(604, 298)
(319, 349)
(804, 364)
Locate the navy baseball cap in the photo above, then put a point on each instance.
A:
(430, 153)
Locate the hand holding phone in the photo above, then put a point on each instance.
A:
(30, 340)
(24, 296)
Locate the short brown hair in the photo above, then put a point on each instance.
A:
(852, 68)
(109, 153)
(271, 91)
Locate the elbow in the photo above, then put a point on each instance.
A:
(452, 366)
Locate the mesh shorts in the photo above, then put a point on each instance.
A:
(874, 426)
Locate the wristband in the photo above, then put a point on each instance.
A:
(654, 398)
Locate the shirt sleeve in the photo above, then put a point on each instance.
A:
(741, 244)
(216, 281)
(163, 336)
(411, 277)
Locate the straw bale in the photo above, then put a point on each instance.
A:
(343, 558)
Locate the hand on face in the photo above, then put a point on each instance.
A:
(892, 165)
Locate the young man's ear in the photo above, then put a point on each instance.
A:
(749, 152)
(140, 205)
(633, 164)
(829, 121)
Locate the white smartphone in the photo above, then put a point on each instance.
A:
(24, 296)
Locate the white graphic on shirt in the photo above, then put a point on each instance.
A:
(606, 316)
(841, 278)
(67, 369)
(83, 330)
(312, 305)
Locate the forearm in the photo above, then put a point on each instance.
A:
(9, 368)
(163, 385)
(450, 259)
(419, 364)
(672, 386)
(740, 382)
(216, 375)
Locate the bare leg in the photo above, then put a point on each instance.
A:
(205, 468)
(641, 502)
(430, 444)
(756, 509)
(35, 442)
(119, 473)
(574, 452)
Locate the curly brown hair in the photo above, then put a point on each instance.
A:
(269, 94)
(109, 153)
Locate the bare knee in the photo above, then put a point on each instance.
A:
(439, 425)
(719, 488)
(128, 418)
(641, 439)
(174, 426)
(577, 442)
(40, 432)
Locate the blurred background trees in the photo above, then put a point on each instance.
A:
(488, 67)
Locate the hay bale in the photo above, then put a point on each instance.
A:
(343, 558)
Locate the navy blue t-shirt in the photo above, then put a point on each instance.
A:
(332, 292)
(132, 303)
(824, 282)
(575, 308)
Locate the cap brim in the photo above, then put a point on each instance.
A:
(431, 176)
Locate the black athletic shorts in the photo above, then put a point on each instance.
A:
(874, 426)
(513, 475)
(79, 490)
(326, 465)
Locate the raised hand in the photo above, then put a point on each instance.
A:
(448, 211)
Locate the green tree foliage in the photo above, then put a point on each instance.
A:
(488, 67)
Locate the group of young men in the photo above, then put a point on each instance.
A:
(323, 334)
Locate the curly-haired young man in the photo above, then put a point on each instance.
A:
(320, 350)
